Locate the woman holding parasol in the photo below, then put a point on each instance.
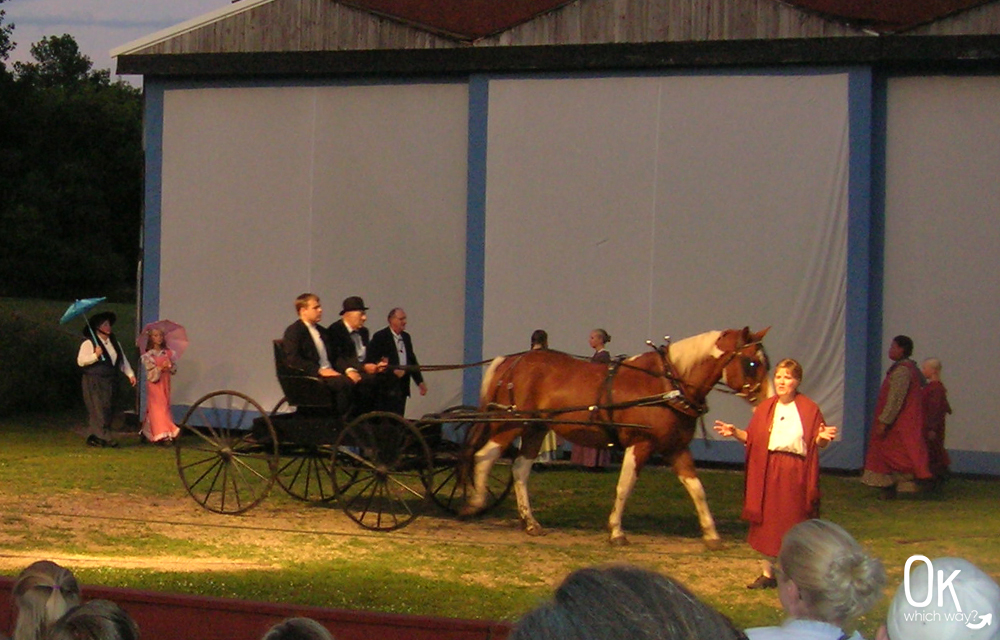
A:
(161, 343)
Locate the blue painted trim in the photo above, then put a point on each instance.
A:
(976, 462)
(876, 260)
(475, 236)
(849, 452)
(153, 122)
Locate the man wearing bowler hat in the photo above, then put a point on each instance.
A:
(349, 339)
(102, 358)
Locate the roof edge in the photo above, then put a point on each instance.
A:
(232, 9)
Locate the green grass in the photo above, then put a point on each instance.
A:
(286, 551)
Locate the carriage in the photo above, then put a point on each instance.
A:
(382, 469)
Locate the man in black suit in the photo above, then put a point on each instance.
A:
(349, 341)
(307, 347)
(393, 344)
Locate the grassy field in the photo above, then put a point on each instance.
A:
(122, 518)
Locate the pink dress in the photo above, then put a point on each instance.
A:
(158, 423)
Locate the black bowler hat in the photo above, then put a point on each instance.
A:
(98, 319)
(353, 303)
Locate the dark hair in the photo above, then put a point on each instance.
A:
(298, 629)
(95, 620)
(540, 339)
(906, 344)
(623, 602)
(605, 336)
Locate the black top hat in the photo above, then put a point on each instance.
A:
(353, 303)
(97, 320)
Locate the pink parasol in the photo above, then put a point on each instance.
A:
(174, 335)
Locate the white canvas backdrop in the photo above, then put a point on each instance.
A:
(671, 205)
(271, 191)
(942, 240)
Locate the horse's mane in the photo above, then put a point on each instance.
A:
(687, 353)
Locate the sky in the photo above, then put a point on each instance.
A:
(97, 25)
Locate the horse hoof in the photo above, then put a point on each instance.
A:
(620, 541)
(467, 512)
(534, 530)
(713, 544)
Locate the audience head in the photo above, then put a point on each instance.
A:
(95, 620)
(539, 339)
(44, 591)
(298, 629)
(824, 574)
(971, 590)
(622, 602)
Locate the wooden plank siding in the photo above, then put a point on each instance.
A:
(299, 25)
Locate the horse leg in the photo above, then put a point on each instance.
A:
(684, 468)
(521, 469)
(483, 462)
(626, 482)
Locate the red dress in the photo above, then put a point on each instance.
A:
(935, 408)
(158, 425)
(902, 450)
(781, 489)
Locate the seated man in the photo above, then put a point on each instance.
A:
(349, 342)
(307, 348)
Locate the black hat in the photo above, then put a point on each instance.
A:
(97, 320)
(353, 303)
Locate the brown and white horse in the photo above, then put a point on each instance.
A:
(649, 404)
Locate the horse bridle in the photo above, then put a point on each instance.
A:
(749, 365)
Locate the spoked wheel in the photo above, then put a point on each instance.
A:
(228, 453)
(381, 468)
(451, 485)
(304, 471)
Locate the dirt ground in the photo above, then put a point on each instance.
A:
(83, 521)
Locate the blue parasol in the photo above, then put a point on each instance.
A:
(80, 308)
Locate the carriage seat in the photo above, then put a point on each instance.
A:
(300, 390)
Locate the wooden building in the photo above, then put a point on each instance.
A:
(653, 167)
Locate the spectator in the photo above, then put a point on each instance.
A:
(971, 591)
(298, 629)
(826, 581)
(95, 620)
(622, 602)
(43, 592)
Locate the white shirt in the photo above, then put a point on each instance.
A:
(400, 346)
(786, 430)
(324, 359)
(794, 629)
(87, 356)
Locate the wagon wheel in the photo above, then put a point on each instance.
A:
(381, 468)
(304, 471)
(228, 458)
(448, 488)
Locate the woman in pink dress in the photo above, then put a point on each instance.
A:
(159, 362)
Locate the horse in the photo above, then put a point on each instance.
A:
(648, 403)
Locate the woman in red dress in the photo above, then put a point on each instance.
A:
(159, 362)
(782, 465)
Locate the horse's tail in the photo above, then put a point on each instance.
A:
(479, 432)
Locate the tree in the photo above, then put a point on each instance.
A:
(71, 188)
(6, 44)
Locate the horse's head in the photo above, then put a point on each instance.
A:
(746, 366)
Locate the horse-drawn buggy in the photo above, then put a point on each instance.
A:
(383, 469)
